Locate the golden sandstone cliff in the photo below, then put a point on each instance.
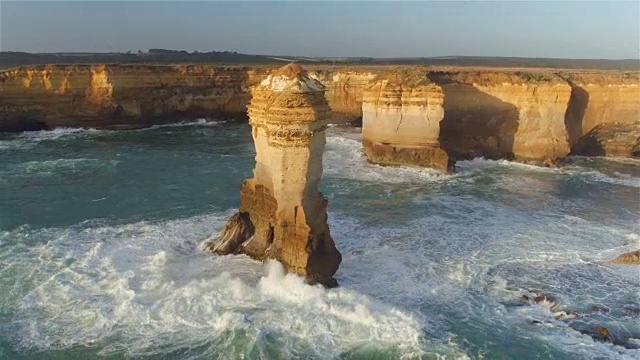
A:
(537, 116)
(401, 123)
(282, 214)
(604, 115)
(531, 117)
(501, 115)
(121, 96)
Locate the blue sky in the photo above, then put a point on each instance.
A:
(565, 29)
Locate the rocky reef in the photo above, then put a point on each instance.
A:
(401, 122)
(632, 257)
(282, 214)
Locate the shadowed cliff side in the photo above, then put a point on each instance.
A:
(475, 124)
(612, 139)
(603, 118)
(516, 115)
(575, 113)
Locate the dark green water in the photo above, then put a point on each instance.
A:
(99, 254)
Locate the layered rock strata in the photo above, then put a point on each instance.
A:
(125, 96)
(121, 96)
(504, 115)
(534, 115)
(282, 214)
(345, 91)
(603, 116)
(401, 123)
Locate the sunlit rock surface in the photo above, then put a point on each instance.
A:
(632, 257)
(529, 115)
(518, 116)
(282, 214)
(401, 122)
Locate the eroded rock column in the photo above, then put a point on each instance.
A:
(282, 214)
(401, 123)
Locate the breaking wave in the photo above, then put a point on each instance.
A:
(59, 166)
(432, 264)
(129, 288)
(344, 158)
(197, 122)
(29, 139)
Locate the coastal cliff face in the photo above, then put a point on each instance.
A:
(603, 117)
(500, 115)
(282, 214)
(345, 91)
(132, 96)
(401, 123)
(536, 116)
(121, 96)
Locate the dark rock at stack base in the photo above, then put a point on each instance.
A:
(282, 214)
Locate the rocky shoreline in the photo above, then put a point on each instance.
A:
(411, 115)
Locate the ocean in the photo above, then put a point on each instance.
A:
(101, 254)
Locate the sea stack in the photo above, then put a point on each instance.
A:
(282, 214)
(401, 122)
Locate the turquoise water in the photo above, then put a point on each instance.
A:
(100, 235)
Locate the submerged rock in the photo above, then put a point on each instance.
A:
(631, 258)
(282, 214)
(584, 323)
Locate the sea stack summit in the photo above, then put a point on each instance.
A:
(282, 214)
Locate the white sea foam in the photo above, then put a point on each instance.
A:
(423, 278)
(461, 258)
(482, 163)
(59, 166)
(54, 133)
(344, 158)
(132, 287)
(616, 178)
(587, 174)
(622, 160)
(29, 139)
(196, 122)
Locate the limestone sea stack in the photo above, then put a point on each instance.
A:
(401, 122)
(282, 214)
